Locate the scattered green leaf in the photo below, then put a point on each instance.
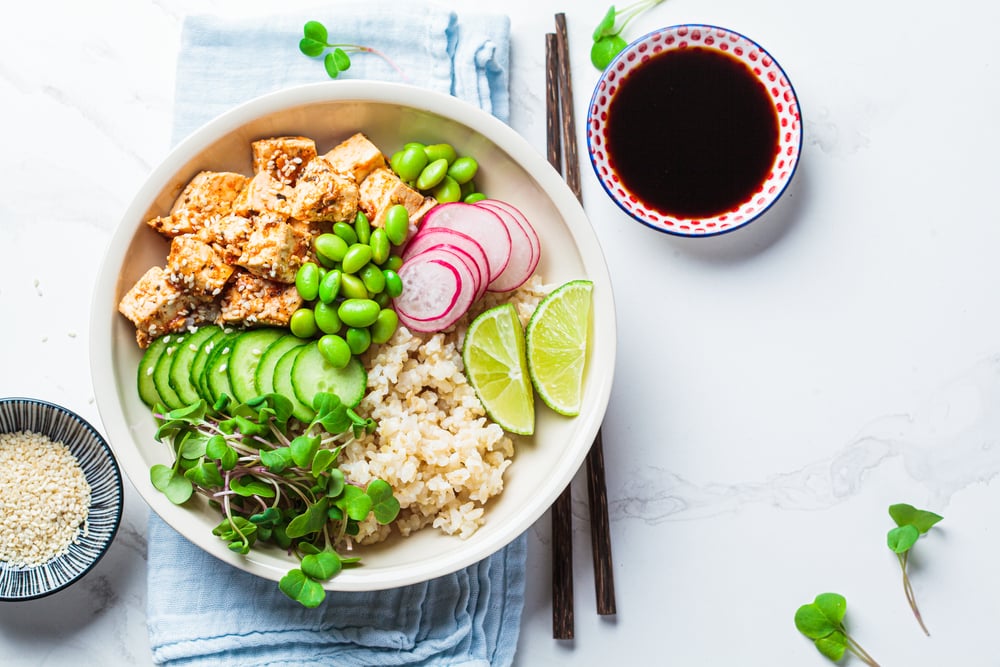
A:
(315, 44)
(822, 621)
(911, 523)
(607, 38)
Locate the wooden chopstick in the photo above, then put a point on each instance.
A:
(562, 516)
(600, 532)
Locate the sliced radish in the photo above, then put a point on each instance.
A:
(525, 247)
(438, 288)
(467, 247)
(478, 222)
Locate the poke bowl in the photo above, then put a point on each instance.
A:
(389, 116)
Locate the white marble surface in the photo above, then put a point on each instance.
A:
(776, 388)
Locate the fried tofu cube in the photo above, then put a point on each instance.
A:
(356, 157)
(250, 300)
(274, 250)
(194, 267)
(156, 306)
(208, 195)
(283, 158)
(323, 194)
(265, 194)
(227, 236)
(383, 189)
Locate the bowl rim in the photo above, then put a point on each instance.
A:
(623, 54)
(407, 96)
(108, 452)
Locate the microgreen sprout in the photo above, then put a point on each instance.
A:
(823, 622)
(275, 480)
(608, 41)
(911, 523)
(315, 43)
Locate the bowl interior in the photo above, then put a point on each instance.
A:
(390, 115)
(767, 72)
(104, 516)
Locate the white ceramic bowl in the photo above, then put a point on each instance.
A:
(768, 73)
(390, 114)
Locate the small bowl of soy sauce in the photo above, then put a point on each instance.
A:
(694, 130)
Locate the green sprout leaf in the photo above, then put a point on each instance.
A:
(384, 504)
(307, 592)
(321, 566)
(908, 515)
(175, 487)
(304, 449)
(310, 521)
(822, 621)
(608, 41)
(315, 43)
(911, 523)
(248, 486)
(276, 460)
(901, 538)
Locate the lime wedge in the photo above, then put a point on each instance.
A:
(493, 353)
(556, 341)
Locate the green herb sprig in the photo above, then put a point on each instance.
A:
(608, 41)
(911, 523)
(315, 43)
(274, 480)
(822, 621)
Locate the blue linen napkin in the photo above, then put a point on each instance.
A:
(201, 611)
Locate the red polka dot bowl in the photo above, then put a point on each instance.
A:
(660, 136)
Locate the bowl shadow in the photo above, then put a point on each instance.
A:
(745, 243)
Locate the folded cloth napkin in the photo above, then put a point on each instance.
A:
(201, 611)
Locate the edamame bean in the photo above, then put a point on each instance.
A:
(463, 169)
(413, 144)
(397, 224)
(447, 191)
(356, 257)
(303, 323)
(474, 197)
(393, 283)
(382, 299)
(358, 312)
(411, 161)
(329, 287)
(379, 243)
(307, 281)
(335, 350)
(444, 152)
(358, 339)
(373, 278)
(346, 232)
(394, 263)
(326, 318)
(468, 188)
(351, 287)
(330, 247)
(384, 326)
(432, 174)
(362, 227)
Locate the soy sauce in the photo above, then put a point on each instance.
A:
(692, 132)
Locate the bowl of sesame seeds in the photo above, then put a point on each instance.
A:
(61, 498)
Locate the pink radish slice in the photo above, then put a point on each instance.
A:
(525, 247)
(477, 272)
(477, 222)
(438, 288)
(467, 248)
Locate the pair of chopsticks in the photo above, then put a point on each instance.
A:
(562, 154)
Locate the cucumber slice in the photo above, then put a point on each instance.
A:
(161, 373)
(147, 365)
(216, 376)
(248, 348)
(283, 384)
(200, 360)
(180, 367)
(312, 373)
(264, 380)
